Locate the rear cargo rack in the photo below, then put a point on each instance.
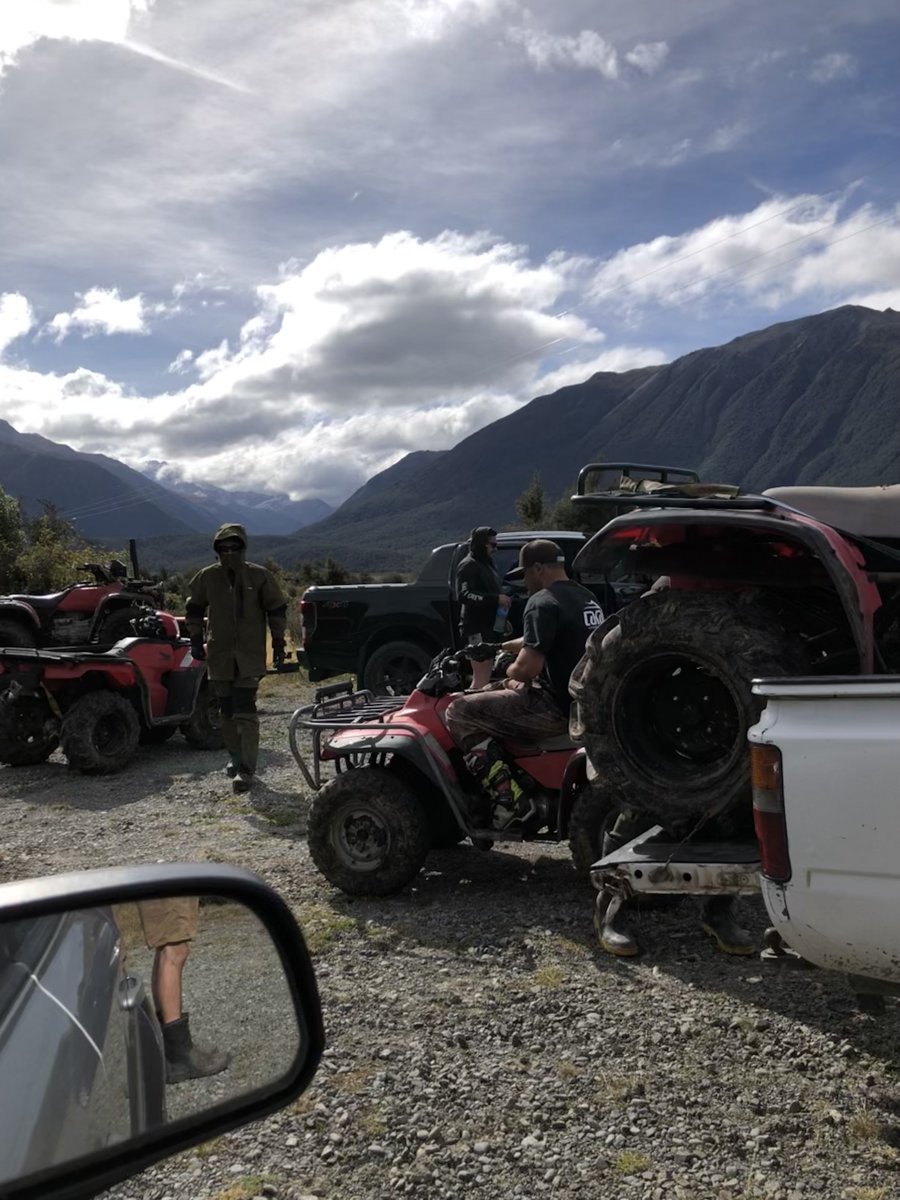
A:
(670, 487)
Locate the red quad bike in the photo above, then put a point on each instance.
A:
(99, 705)
(796, 581)
(397, 793)
(98, 612)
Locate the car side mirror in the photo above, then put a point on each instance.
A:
(104, 1068)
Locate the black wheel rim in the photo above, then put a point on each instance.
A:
(361, 837)
(401, 674)
(676, 717)
(110, 735)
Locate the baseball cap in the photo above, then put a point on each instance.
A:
(541, 550)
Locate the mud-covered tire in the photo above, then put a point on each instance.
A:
(27, 731)
(204, 730)
(395, 668)
(368, 832)
(14, 633)
(100, 733)
(593, 813)
(155, 735)
(663, 707)
(118, 625)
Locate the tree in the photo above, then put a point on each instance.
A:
(530, 505)
(12, 539)
(53, 555)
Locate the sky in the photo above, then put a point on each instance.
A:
(279, 245)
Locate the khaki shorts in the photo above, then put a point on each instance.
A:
(172, 919)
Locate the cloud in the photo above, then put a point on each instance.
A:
(70, 20)
(16, 318)
(586, 51)
(783, 250)
(102, 310)
(648, 56)
(833, 66)
(181, 363)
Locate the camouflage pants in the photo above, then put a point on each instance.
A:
(528, 714)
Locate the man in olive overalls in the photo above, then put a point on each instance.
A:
(240, 598)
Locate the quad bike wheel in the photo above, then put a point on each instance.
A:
(118, 624)
(28, 732)
(100, 733)
(593, 815)
(664, 703)
(395, 668)
(368, 832)
(14, 633)
(204, 730)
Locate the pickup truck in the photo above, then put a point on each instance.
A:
(387, 633)
(824, 763)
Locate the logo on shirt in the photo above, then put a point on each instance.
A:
(593, 616)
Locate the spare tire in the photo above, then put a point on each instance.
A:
(663, 702)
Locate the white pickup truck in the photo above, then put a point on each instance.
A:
(825, 761)
(825, 765)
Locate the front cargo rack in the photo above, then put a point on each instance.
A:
(336, 707)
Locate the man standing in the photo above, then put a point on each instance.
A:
(240, 598)
(170, 925)
(533, 702)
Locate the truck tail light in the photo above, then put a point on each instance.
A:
(768, 812)
(307, 621)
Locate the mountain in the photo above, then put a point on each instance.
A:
(263, 512)
(807, 401)
(103, 498)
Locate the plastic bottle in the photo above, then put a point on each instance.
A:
(500, 619)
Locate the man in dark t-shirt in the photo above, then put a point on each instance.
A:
(533, 702)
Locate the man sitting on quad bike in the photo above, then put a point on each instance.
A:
(532, 703)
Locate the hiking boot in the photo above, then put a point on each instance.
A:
(717, 919)
(504, 814)
(184, 1060)
(231, 770)
(614, 938)
(242, 782)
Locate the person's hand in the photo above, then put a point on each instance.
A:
(515, 685)
(198, 649)
(504, 601)
(278, 651)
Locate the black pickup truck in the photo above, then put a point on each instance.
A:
(387, 633)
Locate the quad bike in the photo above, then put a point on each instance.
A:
(99, 705)
(99, 612)
(796, 581)
(400, 788)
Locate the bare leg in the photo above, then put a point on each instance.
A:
(481, 673)
(168, 966)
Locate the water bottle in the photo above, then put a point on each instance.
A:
(500, 620)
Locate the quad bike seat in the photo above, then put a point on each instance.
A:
(866, 511)
(40, 602)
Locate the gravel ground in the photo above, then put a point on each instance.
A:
(478, 1042)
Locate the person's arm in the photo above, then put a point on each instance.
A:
(468, 585)
(195, 610)
(528, 665)
(275, 605)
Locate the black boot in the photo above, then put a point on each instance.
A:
(512, 796)
(612, 935)
(717, 918)
(184, 1060)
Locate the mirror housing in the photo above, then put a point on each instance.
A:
(58, 895)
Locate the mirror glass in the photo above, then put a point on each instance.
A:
(117, 1020)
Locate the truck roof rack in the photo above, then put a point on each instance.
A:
(642, 485)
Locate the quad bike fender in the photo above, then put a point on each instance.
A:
(842, 561)
(19, 610)
(574, 780)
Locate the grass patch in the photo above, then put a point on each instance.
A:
(619, 1087)
(283, 817)
(867, 1193)
(244, 1188)
(569, 947)
(549, 977)
(207, 1148)
(372, 1122)
(567, 1070)
(631, 1162)
(863, 1127)
(355, 1081)
(321, 925)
